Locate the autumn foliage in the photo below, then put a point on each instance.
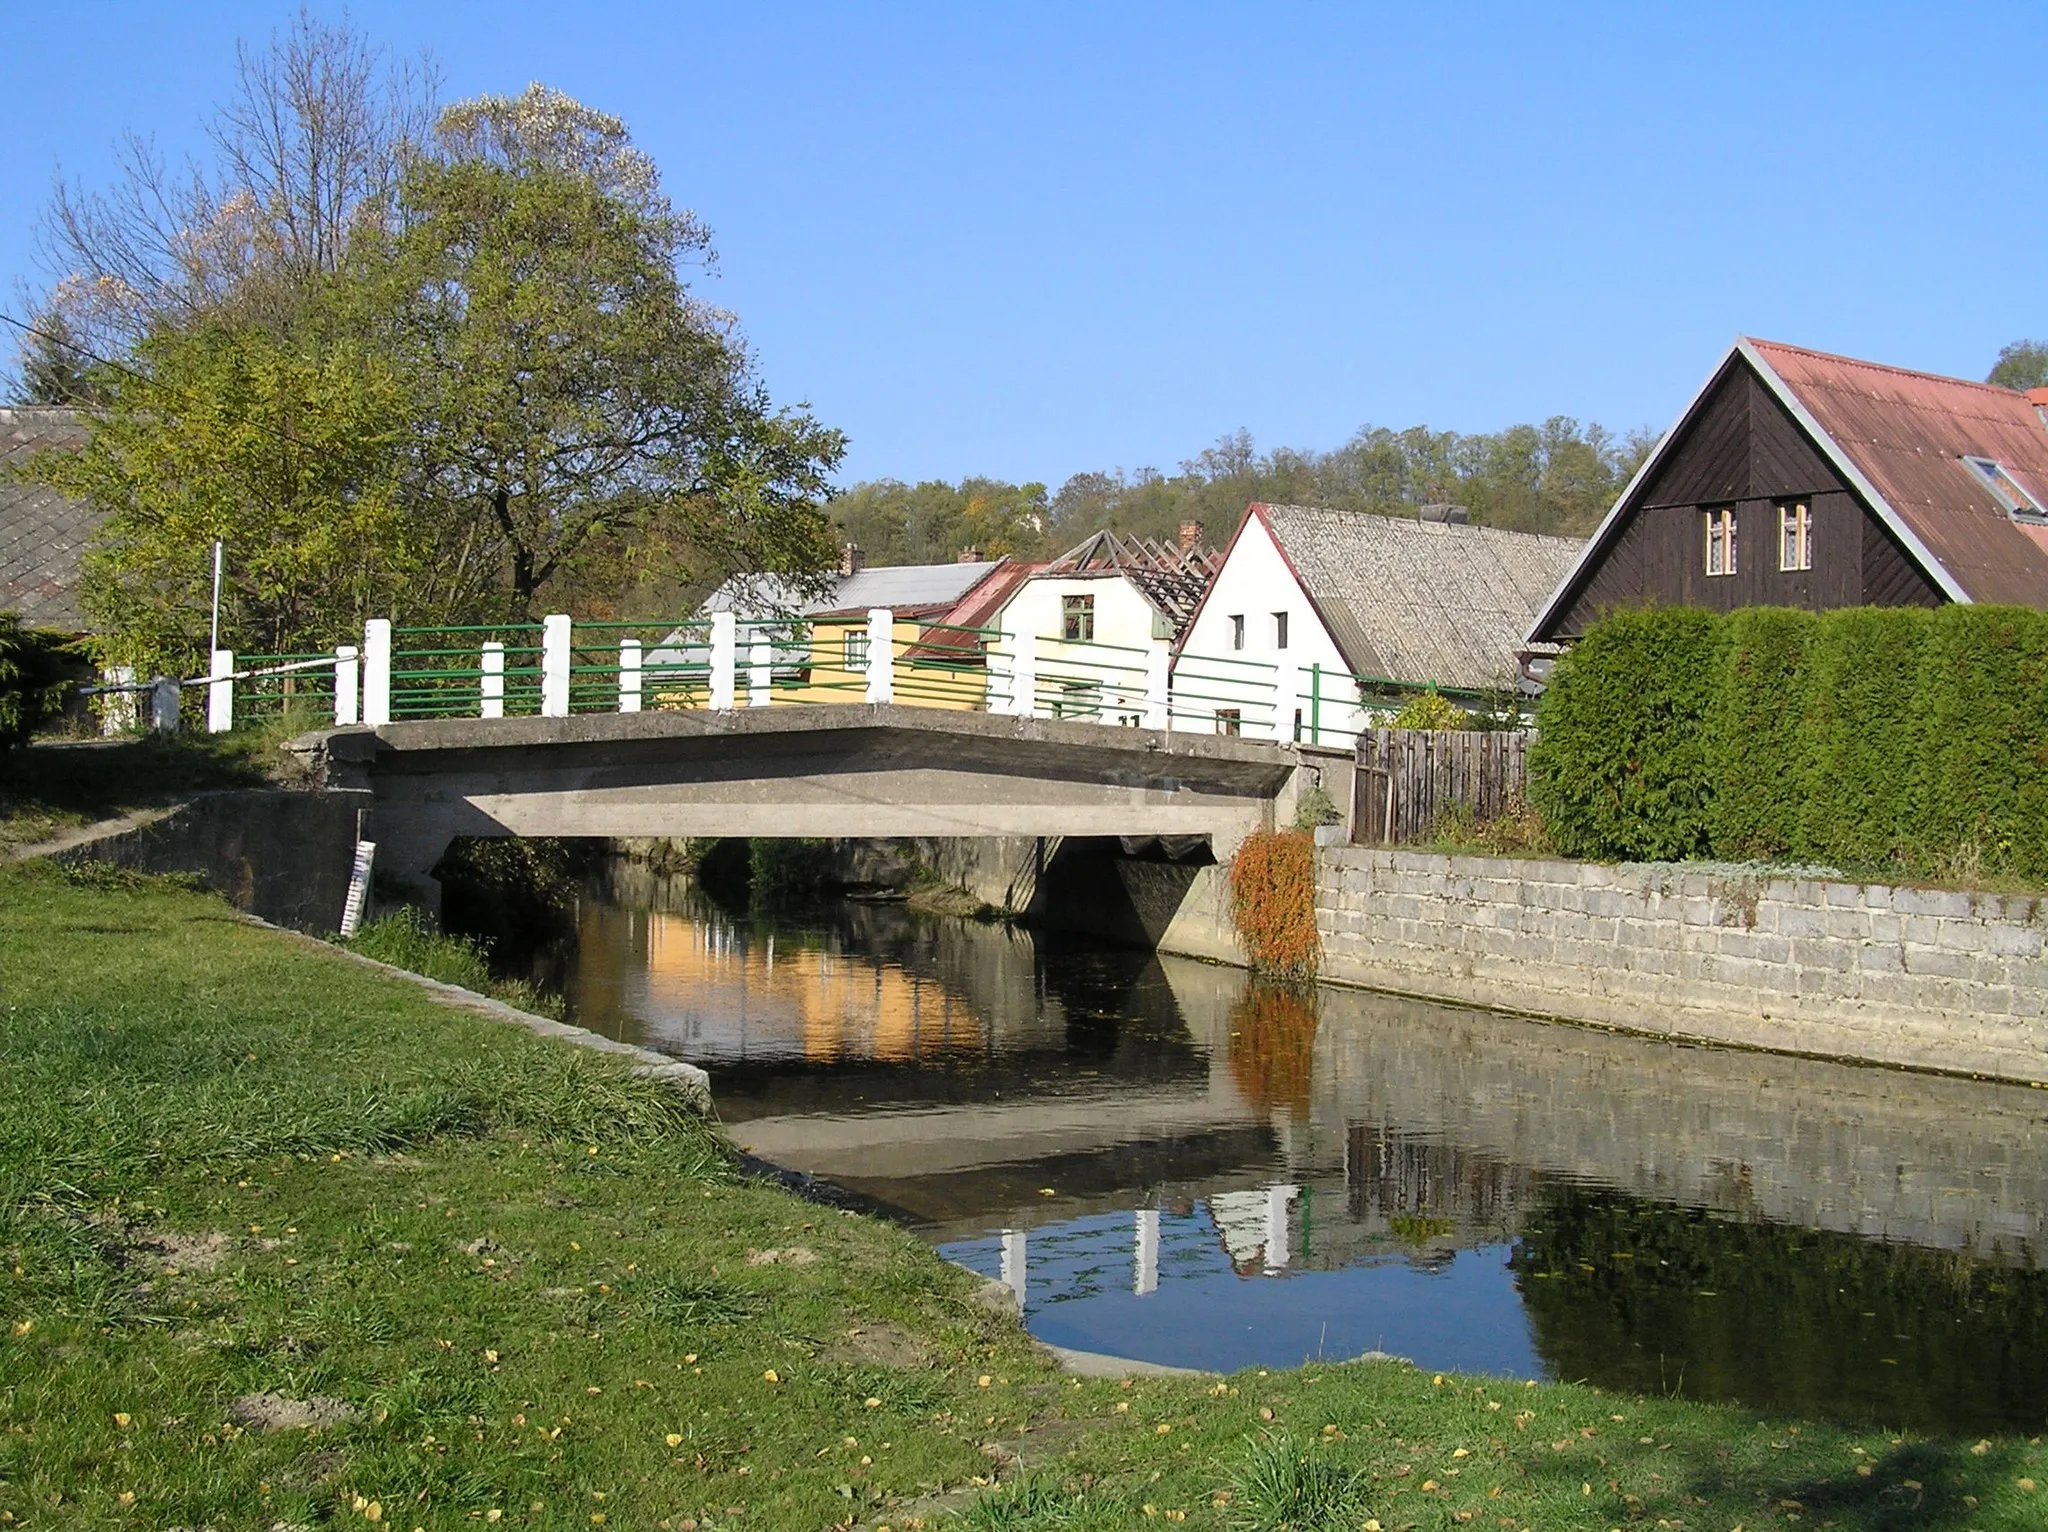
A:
(1273, 902)
(1273, 1046)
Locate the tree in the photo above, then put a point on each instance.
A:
(53, 369)
(310, 148)
(582, 418)
(285, 446)
(2023, 364)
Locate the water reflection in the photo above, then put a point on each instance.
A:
(1165, 1161)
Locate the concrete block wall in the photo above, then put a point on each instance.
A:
(1928, 978)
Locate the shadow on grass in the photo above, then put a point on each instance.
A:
(47, 786)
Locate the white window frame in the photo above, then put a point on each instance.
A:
(854, 648)
(1721, 549)
(1795, 536)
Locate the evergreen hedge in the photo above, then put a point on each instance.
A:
(1753, 733)
(37, 675)
(1882, 740)
(1619, 765)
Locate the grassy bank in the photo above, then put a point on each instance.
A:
(282, 1242)
(54, 786)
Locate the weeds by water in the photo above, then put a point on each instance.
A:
(405, 938)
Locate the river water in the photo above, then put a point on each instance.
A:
(1169, 1161)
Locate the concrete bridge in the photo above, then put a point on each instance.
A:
(849, 770)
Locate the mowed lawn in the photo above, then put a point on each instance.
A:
(284, 1244)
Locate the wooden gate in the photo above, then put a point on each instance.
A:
(1407, 778)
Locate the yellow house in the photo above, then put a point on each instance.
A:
(818, 649)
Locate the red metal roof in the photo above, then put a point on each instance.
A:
(1906, 433)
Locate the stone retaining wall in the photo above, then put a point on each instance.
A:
(1927, 978)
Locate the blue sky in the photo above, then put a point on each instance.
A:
(1029, 240)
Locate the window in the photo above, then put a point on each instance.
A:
(1077, 619)
(1721, 541)
(2006, 488)
(1237, 631)
(1229, 720)
(1078, 699)
(856, 643)
(1279, 630)
(1795, 535)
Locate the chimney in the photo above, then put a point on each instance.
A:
(851, 560)
(969, 555)
(1190, 536)
(2038, 398)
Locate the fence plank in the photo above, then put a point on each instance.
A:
(1408, 779)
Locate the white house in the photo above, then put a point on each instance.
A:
(1097, 612)
(1319, 618)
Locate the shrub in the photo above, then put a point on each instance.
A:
(1753, 739)
(37, 675)
(1859, 733)
(1619, 768)
(1273, 902)
(1273, 1046)
(1982, 721)
(1428, 710)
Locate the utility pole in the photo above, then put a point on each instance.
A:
(217, 545)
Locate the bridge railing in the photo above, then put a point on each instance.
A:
(558, 667)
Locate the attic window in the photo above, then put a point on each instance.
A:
(2019, 502)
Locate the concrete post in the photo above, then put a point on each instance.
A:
(554, 665)
(377, 672)
(1024, 676)
(1158, 663)
(881, 655)
(118, 712)
(166, 701)
(760, 673)
(1016, 1261)
(348, 702)
(491, 701)
(220, 693)
(725, 660)
(629, 675)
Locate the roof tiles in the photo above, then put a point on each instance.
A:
(42, 533)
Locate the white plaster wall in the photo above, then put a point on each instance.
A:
(1255, 582)
(1123, 617)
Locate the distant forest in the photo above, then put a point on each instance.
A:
(1558, 477)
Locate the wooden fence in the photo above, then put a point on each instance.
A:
(1407, 778)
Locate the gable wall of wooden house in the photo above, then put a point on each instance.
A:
(1741, 448)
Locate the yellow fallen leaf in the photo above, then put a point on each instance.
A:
(689, 1359)
(1585, 1489)
(126, 1497)
(1461, 1453)
(374, 1511)
(494, 1514)
(771, 1376)
(872, 1403)
(2027, 1486)
(24, 1327)
(1372, 1526)
(1980, 1449)
(1123, 1406)
(1047, 1191)
(490, 1356)
(1428, 1485)
(121, 1419)
(674, 1439)
(983, 1381)
(1163, 1429)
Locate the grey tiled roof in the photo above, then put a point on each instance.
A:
(42, 532)
(908, 587)
(1421, 601)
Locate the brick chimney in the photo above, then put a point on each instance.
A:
(969, 555)
(2038, 398)
(851, 560)
(1190, 536)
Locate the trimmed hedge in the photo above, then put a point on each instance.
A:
(1876, 739)
(1753, 733)
(1619, 765)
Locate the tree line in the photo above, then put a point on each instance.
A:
(439, 362)
(1557, 477)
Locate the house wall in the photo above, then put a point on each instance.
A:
(919, 680)
(1113, 665)
(1740, 447)
(1310, 674)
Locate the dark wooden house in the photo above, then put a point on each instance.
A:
(1795, 478)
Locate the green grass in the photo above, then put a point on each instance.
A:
(405, 938)
(53, 786)
(233, 1163)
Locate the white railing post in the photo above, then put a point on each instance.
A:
(348, 702)
(220, 693)
(881, 655)
(760, 673)
(554, 665)
(629, 675)
(725, 660)
(1024, 676)
(1158, 662)
(377, 672)
(491, 697)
